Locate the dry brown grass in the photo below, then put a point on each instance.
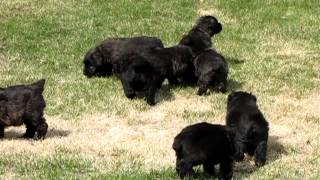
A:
(223, 16)
(275, 45)
(148, 136)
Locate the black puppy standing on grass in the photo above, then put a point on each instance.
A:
(209, 67)
(147, 70)
(24, 104)
(250, 127)
(199, 37)
(99, 61)
(206, 144)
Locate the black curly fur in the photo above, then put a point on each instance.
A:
(24, 104)
(99, 61)
(204, 144)
(250, 127)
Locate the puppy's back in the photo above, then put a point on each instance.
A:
(211, 60)
(203, 138)
(118, 47)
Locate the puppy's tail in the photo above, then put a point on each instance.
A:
(39, 85)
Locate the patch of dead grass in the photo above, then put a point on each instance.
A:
(275, 45)
(117, 141)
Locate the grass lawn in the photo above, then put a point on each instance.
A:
(95, 132)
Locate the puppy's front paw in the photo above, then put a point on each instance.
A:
(130, 95)
(201, 92)
(151, 102)
(222, 88)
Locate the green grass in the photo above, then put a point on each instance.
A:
(272, 48)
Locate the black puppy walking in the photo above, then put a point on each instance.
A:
(250, 126)
(99, 61)
(137, 76)
(206, 144)
(23, 104)
(147, 70)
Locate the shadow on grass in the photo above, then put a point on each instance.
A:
(234, 85)
(165, 94)
(234, 61)
(12, 134)
(275, 149)
(57, 133)
(244, 168)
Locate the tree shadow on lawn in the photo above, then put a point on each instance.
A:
(52, 133)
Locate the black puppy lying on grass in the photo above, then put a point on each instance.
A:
(99, 61)
(147, 70)
(250, 127)
(24, 104)
(211, 69)
(206, 144)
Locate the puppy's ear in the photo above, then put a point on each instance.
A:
(231, 96)
(116, 67)
(120, 65)
(178, 67)
(185, 41)
(253, 97)
(39, 85)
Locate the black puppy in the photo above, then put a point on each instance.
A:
(24, 104)
(205, 144)
(137, 76)
(199, 37)
(99, 61)
(150, 68)
(171, 63)
(250, 127)
(211, 69)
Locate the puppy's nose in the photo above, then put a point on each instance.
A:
(218, 28)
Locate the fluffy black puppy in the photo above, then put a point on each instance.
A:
(138, 76)
(23, 104)
(205, 144)
(211, 69)
(199, 38)
(171, 63)
(147, 70)
(250, 127)
(98, 61)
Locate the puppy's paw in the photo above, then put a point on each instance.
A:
(151, 102)
(201, 92)
(260, 162)
(130, 95)
(222, 88)
(239, 155)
